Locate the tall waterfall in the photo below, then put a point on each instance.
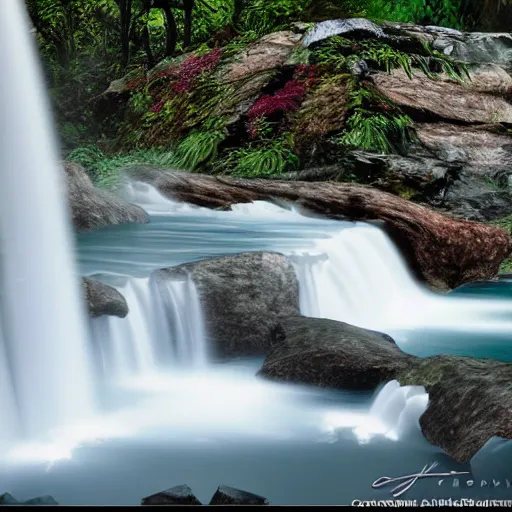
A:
(44, 353)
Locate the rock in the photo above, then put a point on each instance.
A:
(230, 496)
(8, 499)
(415, 177)
(253, 69)
(481, 190)
(331, 354)
(469, 402)
(353, 27)
(438, 99)
(93, 208)
(469, 399)
(41, 500)
(178, 495)
(242, 296)
(443, 251)
(468, 47)
(103, 299)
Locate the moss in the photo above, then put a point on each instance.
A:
(505, 223)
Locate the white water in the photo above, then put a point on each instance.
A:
(164, 329)
(44, 329)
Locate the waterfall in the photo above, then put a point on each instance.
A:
(44, 353)
(164, 329)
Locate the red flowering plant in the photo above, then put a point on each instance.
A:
(283, 101)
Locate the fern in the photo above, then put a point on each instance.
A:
(199, 148)
(263, 158)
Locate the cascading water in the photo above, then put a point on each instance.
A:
(45, 346)
(163, 330)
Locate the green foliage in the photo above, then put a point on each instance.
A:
(339, 54)
(105, 170)
(262, 158)
(199, 148)
(428, 12)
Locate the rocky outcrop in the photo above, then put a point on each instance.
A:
(242, 297)
(438, 99)
(93, 208)
(178, 495)
(252, 70)
(331, 354)
(103, 299)
(469, 399)
(443, 251)
(230, 496)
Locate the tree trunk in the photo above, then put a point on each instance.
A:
(188, 6)
(125, 7)
(172, 31)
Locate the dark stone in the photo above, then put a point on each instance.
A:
(443, 251)
(103, 299)
(331, 354)
(178, 495)
(93, 208)
(242, 297)
(230, 496)
(41, 500)
(469, 399)
(8, 499)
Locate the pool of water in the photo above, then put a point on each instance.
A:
(223, 425)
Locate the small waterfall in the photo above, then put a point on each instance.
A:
(164, 329)
(45, 347)
(357, 277)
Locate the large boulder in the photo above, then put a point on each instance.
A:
(242, 296)
(103, 299)
(331, 354)
(443, 251)
(93, 208)
(442, 99)
(469, 399)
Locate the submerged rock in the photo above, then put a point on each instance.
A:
(178, 495)
(443, 251)
(242, 296)
(103, 299)
(469, 399)
(230, 496)
(93, 208)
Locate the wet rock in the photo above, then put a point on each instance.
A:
(353, 27)
(178, 495)
(331, 354)
(103, 299)
(443, 251)
(41, 500)
(469, 399)
(8, 499)
(230, 496)
(242, 296)
(423, 97)
(93, 208)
